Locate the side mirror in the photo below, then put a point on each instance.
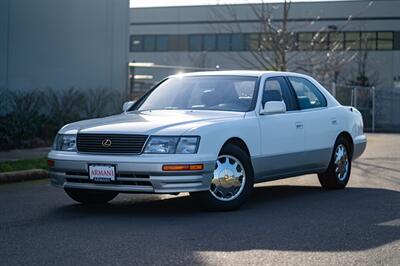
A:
(127, 105)
(274, 107)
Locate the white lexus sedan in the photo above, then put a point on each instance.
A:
(213, 134)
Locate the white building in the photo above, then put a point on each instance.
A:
(207, 36)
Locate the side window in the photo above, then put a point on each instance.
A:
(308, 95)
(276, 89)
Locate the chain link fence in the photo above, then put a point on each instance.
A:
(361, 98)
(387, 110)
(379, 107)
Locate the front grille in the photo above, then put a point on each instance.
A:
(120, 144)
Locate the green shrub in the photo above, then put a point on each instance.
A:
(21, 126)
(23, 165)
(32, 118)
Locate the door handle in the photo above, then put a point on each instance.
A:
(334, 121)
(299, 125)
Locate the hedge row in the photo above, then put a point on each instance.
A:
(32, 118)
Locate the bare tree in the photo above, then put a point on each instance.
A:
(278, 45)
(364, 77)
(270, 50)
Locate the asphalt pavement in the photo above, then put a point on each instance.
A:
(286, 222)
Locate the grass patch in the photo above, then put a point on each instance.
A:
(23, 165)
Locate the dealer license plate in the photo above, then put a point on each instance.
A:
(101, 173)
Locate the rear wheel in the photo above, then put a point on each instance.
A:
(338, 173)
(232, 182)
(86, 196)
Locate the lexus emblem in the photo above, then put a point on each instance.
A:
(106, 143)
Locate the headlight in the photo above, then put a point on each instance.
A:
(188, 145)
(172, 144)
(65, 142)
(161, 145)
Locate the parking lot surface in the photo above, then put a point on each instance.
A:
(290, 221)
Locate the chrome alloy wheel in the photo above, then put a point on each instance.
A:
(341, 162)
(229, 178)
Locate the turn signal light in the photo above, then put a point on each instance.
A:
(182, 167)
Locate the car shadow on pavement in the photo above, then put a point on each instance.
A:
(288, 218)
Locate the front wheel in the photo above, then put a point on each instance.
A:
(338, 173)
(87, 196)
(232, 182)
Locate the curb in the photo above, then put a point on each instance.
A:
(18, 176)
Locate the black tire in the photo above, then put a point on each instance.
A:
(207, 200)
(86, 196)
(329, 179)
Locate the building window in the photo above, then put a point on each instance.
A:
(396, 40)
(335, 41)
(352, 41)
(162, 43)
(305, 40)
(252, 42)
(223, 42)
(136, 43)
(178, 42)
(320, 41)
(368, 40)
(266, 41)
(238, 42)
(149, 43)
(331, 40)
(210, 42)
(385, 41)
(313, 41)
(195, 42)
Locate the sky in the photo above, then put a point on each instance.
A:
(152, 3)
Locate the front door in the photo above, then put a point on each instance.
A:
(282, 135)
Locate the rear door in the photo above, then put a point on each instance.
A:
(320, 127)
(282, 135)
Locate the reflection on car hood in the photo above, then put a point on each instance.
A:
(150, 122)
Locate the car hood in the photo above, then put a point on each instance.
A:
(168, 122)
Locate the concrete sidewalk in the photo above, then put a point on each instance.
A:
(23, 154)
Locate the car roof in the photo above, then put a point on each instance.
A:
(251, 73)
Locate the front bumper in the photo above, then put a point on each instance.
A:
(134, 174)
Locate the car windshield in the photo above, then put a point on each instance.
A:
(227, 93)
